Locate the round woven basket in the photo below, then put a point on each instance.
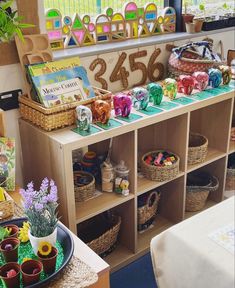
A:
(148, 211)
(84, 192)
(159, 173)
(197, 150)
(197, 195)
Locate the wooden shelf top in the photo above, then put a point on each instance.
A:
(67, 137)
(144, 185)
(99, 204)
(212, 155)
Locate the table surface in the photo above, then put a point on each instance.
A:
(83, 252)
(185, 256)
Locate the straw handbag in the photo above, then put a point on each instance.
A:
(192, 57)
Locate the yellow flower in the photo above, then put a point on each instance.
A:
(23, 233)
(26, 259)
(44, 248)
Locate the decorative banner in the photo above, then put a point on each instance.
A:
(134, 22)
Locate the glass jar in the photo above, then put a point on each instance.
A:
(121, 178)
(107, 173)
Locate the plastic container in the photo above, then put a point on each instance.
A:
(121, 178)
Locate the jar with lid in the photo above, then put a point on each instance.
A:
(107, 173)
(121, 178)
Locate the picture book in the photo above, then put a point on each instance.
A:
(7, 163)
(53, 66)
(62, 87)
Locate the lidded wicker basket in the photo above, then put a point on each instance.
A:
(197, 150)
(83, 191)
(100, 233)
(159, 173)
(147, 212)
(199, 185)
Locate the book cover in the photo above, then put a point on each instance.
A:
(64, 86)
(7, 163)
(53, 66)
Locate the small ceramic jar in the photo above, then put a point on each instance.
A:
(155, 93)
(169, 86)
(185, 84)
(122, 104)
(201, 80)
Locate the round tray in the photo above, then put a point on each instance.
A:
(64, 238)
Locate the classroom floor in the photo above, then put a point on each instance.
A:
(138, 274)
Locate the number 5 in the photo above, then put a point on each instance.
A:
(138, 65)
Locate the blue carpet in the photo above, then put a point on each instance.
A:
(138, 274)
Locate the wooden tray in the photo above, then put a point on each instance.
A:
(64, 238)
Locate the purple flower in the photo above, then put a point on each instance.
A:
(52, 197)
(44, 200)
(44, 185)
(38, 206)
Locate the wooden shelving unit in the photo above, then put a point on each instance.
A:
(50, 154)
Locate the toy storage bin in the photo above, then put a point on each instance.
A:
(198, 147)
(198, 187)
(159, 173)
(147, 209)
(230, 177)
(83, 192)
(100, 233)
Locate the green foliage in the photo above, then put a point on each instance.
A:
(4, 232)
(202, 7)
(225, 6)
(10, 23)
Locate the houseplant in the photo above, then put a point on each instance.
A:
(10, 22)
(186, 17)
(41, 209)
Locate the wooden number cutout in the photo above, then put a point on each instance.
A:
(152, 67)
(103, 67)
(119, 72)
(134, 65)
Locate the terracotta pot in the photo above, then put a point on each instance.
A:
(190, 27)
(49, 261)
(187, 18)
(31, 271)
(14, 230)
(198, 24)
(10, 282)
(36, 240)
(10, 255)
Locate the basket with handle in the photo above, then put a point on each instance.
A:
(198, 147)
(186, 60)
(147, 212)
(159, 173)
(199, 185)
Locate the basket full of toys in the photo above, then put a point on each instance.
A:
(147, 209)
(160, 165)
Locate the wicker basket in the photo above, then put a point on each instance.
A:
(159, 173)
(7, 207)
(197, 150)
(199, 185)
(100, 233)
(230, 177)
(56, 117)
(84, 192)
(147, 212)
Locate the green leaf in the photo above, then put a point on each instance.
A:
(6, 5)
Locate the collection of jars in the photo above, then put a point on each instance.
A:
(113, 178)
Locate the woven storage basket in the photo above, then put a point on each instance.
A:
(147, 212)
(230, 177)
(100, 233)
(198, 187)
(56, 117)
(6, 207)
(84, 192)
(197, 150)
(159, 173)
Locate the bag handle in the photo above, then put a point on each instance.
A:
(214, 185)
(179, 50)
(152, 199)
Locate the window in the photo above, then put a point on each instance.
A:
(209, 8)
(92, 7)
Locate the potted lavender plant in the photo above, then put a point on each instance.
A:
(41, 209)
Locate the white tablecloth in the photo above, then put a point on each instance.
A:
(184, 256)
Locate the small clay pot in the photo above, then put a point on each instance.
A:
(14, 230)
(187, 18)
(14, 281)
(31, 271)
(198, 24)
(10, 255)
(190, 27)
(49, 261)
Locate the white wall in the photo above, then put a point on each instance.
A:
(10, 79)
